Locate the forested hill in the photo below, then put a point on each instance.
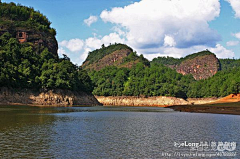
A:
(119, 55)
(165, 76)
(27, 60)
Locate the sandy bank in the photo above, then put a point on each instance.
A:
(160, 101)
(219, 108)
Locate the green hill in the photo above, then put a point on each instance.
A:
(166, 76)
(33, 62)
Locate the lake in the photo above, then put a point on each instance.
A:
(115, 132)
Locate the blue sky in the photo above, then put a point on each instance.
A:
(151, 27)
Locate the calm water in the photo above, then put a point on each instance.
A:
(31, 132)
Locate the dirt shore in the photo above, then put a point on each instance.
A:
(218, 108)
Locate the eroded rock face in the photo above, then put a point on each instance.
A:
(201, 67)
(39, 40)
(48, 98)
(113, 59)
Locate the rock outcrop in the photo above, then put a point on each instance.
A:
(201, 67)
(56, 97)
(118, 55)
(113, 59)
(38, 39)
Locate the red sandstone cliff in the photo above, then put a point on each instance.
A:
(201, 67)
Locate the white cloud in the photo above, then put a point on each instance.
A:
(173, 51)
(74, 45)
(91, 20)
(157, 28)
(237, 35)
(148, 21)
(96, 43)
(169, 41)
(78, 49)
(219, 50)
(222, 52)
(232, 43)
(61, 51)
(236, 7)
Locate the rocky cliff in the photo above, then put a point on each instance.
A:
(201, 67)
(56, 97)
(114, 59)
(118, 55)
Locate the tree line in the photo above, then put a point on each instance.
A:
(159, 80)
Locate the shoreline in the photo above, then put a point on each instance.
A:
(48, 98)
(216, 108)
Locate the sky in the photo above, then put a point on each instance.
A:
(153, 28)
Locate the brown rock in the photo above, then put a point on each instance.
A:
(201, 67)
(56, 97)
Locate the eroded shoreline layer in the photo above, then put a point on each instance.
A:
(57, 97)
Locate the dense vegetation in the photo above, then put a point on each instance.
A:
(140, 80)
(221, 84)
(17, 16)
(166, 61)
(21, 67)
(96, 55)
(158, 80)
(228, 64)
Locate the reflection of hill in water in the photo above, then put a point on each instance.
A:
(16, 117)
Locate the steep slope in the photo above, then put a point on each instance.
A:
(28, 26)
(201, 65)
(119, 55)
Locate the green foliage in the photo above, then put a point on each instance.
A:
(166, 61)
(140, 80)
(98, 54)
(228, 64)
(221, 84)
(18, 16)
(134, 57)
(158, 80)
(23, 68)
